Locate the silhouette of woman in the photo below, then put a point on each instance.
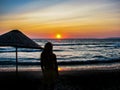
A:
(49, 67)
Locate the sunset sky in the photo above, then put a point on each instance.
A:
(69, 18)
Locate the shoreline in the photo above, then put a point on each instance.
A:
(105, 66)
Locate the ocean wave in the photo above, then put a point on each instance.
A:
(29, 50)
(7, 63)
(116, 44)
(19, 50)
(74, 44)
(19, 63)
(68, 52)
(7, 59)
(89, 62)
(63, 62)
(66, 44)
(58, 50)
(100, 57)
(5, 49)
(105, 44)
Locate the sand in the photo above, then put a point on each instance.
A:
(68, 80)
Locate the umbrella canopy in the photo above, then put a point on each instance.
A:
(17, 39)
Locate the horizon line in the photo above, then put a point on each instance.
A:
(78, 38)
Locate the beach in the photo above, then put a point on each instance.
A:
(68, 80)
(83, 65)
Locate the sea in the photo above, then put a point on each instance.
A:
(72, 54)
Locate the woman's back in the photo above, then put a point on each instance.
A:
(48, 61)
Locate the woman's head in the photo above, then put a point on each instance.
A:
(48, 47)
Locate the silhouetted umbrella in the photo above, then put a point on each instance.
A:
(17, 39)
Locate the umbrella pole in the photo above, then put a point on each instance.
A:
(16, 62)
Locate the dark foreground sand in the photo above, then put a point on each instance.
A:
(68, 80)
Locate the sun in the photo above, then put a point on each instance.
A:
(58, 36)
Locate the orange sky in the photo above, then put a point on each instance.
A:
(70, 18)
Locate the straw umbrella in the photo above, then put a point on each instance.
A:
(17, 39)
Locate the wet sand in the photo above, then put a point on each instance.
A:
(68, 80)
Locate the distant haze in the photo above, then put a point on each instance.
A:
(70, 18)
